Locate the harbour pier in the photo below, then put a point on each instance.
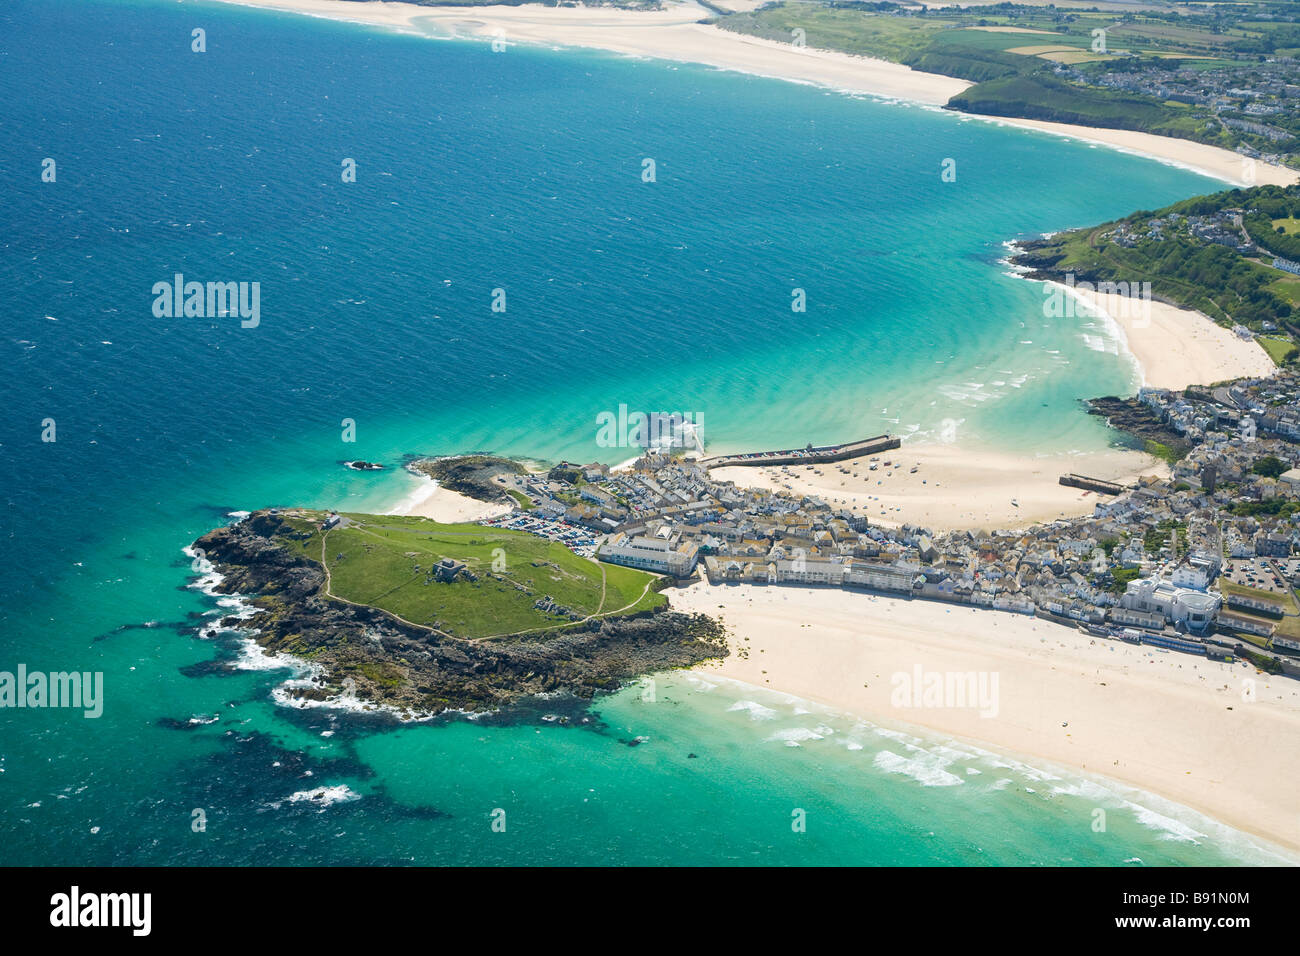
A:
(812, 454)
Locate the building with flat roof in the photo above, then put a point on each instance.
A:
(673, 555)
(1291, 479)
(1195, 610)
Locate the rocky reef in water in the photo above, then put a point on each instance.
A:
(367, 653)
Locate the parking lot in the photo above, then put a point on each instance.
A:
(1262, 574)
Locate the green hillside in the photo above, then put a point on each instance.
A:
(387, 562)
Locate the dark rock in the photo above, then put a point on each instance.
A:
(472, 475)
(387, 661)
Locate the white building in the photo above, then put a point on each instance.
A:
(663, 555)
(1190, 575)
(883, 577)
(1193, 609)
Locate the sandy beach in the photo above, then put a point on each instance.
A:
(1209, 160)
(1176, 347)
(431, 500)
(955, 486)
(675, 34)
(1167, 723)
(670, 34)
(1163, 722)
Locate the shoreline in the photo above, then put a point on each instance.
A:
(1063, 696)
(1212, 161)
(1177, 821)
(676, 35)
(431, 500)
(957, 486)
(1173, 347)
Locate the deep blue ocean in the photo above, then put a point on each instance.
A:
(477, 171)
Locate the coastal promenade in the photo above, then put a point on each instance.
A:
(808, 455)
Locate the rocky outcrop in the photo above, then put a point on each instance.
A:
(1040, 257)
(374, 656)
(1132, 417)
(472, 475)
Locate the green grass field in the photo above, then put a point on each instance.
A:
(1288, 626)
(845, 30)
(1277, 347)
(1288, 288)
(384, 561)
(521, 499)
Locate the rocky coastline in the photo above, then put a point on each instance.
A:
(1130, 416)
(368, 654)
(470, 475)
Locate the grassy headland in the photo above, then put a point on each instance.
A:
(388, 562)
(1213, 253)
(425, 617)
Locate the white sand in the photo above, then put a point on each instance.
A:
(674, 34)
(1167, 723)
(671, 34)
(1177, 347)
(1209, 160)
(955, 486)
(431, 500)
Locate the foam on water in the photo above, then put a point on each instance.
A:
(755, 710)
(219, 419)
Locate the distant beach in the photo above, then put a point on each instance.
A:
(676, 34)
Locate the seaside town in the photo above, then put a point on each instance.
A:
(1250, 98)
(1204, 561)
(1224, 227)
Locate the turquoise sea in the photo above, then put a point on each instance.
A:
(479, 171)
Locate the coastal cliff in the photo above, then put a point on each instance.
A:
(374, 655)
